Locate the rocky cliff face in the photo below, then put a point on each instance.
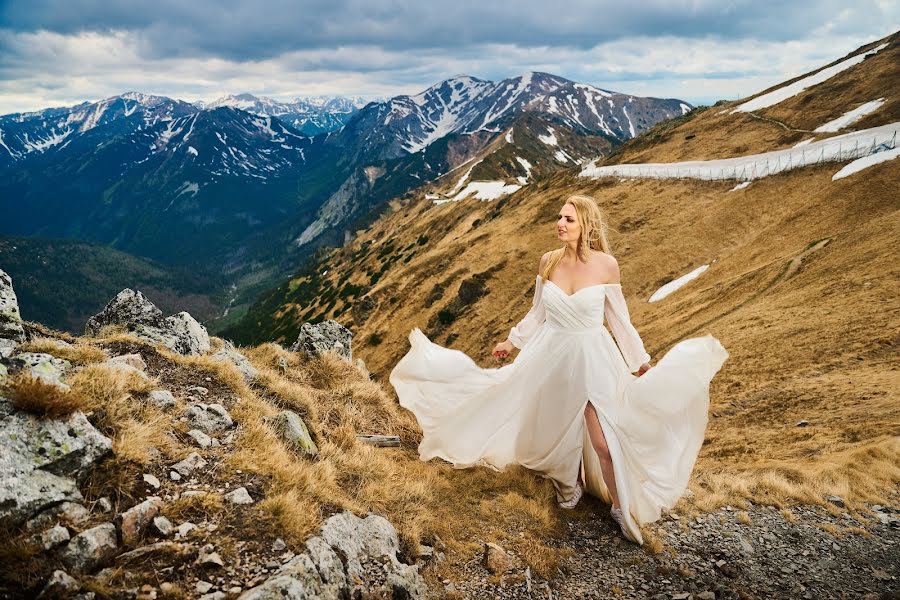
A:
(92, 509)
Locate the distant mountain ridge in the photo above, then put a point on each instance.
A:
(236, 187)
(309, 115)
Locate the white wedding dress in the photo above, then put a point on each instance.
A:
(531, 411)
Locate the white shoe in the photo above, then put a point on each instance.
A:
(571, 502)
(620, 519)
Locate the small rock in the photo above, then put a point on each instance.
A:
(803, 423)
(163, 526)
(201, 587)
(293, 431)
(278, 545)
(162, 398)
(208, 417)
(230, 354)
(239, 496)
(151, 480)
(836, 500)
(133, 521)
(209, 557)
(132, 360)
(200, 438)
(60, 585)
(198, 389)
(104, 505)
(186, 466)
(194, 493)
(184, 529)
(54, 536)
(91, 548)
(174, 476)
(496, 560)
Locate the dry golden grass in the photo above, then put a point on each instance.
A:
(195, 509)
(810, 326)
(81, 352)
(338, 401)
(744, 518)
(115, 398)
(41, 398)
(788, 515)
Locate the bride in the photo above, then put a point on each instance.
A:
(569, 406)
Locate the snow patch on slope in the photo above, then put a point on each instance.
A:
(850, 117)
(675, 284)
(788, 91)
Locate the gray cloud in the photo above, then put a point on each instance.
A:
(56, 52)
(241, 30)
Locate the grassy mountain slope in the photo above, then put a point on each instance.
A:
(713, 132)
(801, 291)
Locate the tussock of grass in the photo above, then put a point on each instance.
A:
(854, 474)
(41, 398)
(80, 353)
(196, 508)
(20, 559)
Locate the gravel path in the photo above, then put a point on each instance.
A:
(717, 557)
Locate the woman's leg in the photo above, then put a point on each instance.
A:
(598, 441)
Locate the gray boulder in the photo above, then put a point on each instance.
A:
(317, 339)
(42, 459)
(229, 353)
(370, 567)
(10, 318)
(162, 399)
(292, 430)
(208, 417)
(180, 332)
(7, 347)
(43, 366)
(91, 549)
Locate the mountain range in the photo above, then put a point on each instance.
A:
(239, 187)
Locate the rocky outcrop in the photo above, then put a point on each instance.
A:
(229, 353)
(10, 318)
(370, 567)
(41, 460)
(316, 339)
(180, 332)
(43, 366)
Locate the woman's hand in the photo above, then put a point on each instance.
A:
(643, 369)
(502, 350)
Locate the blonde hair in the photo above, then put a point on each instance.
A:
(593, 232)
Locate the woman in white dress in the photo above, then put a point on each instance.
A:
(568, 406)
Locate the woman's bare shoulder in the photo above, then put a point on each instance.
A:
(608, 267)
(544, 258)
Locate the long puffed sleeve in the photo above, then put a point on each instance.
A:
(530, 323)
(630, 344)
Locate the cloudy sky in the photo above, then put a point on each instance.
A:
(61, 52)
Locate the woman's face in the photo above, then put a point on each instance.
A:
(567, 227)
